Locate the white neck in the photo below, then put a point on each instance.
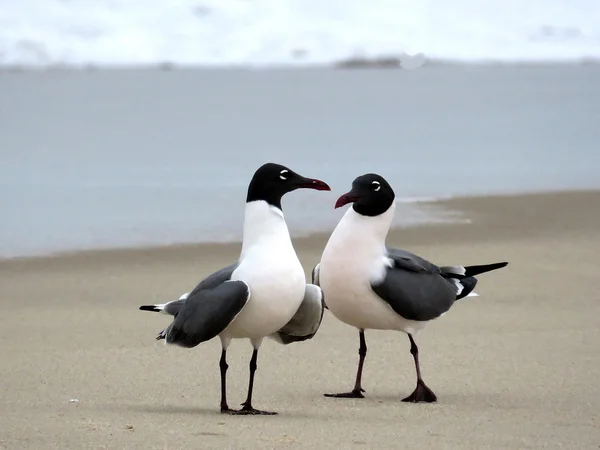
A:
(264, 225)
(362, 232)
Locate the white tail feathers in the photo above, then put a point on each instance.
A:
(163, 308)
(456, 270)
(459, 286)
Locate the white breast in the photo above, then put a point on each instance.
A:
(270, 267)
(353, 258)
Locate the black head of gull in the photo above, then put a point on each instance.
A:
(272, 181)
(371, 195)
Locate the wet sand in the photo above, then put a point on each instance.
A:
(516, 368)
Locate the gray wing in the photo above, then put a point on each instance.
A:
(173, 308)
(315, 280)
(206, 313)
(411, 262)
(315, 275)
(211, 281)
(307, 320)
(415, 288)
(215, 279)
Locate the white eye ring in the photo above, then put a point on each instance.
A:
(282, 174)
(376, 186)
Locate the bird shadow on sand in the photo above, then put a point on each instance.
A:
(445, 400)
(194, 410)
(160, 409)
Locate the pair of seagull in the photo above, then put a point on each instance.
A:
(366, 284)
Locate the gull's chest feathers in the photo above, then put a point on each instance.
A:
(272, 270)
(271, 267)
(355, 257)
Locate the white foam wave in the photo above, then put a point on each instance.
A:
(297, 32)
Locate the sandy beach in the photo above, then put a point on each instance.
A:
(516, 368)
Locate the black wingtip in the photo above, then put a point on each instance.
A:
(149, 308)
(471, 271)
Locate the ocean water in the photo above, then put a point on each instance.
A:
(293, 32)
(97, 159)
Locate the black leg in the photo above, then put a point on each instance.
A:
(357, 392)
(247, 408)
(224, 366)
(421, 393)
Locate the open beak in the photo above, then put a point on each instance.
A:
(348, 197)
(310, 183)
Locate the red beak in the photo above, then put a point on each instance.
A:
(348, 197)
(310, 183)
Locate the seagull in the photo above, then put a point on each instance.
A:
(371, 286)
(263, 294)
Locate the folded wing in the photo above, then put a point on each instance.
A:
(307, 320)
(206, 313)
(419, 290)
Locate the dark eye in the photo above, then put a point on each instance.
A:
(283, 174)
(376, 185)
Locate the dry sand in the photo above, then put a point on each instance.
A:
(517, 368)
